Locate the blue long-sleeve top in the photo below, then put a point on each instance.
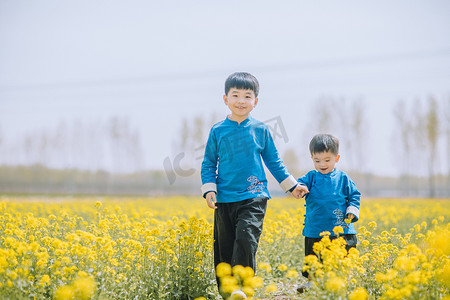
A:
(232, 165)
(331, 197)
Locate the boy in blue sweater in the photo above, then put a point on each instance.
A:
(234, 183)
(332, 197)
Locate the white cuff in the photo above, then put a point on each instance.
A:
(209, 187)
(288, 183)
(353, 210)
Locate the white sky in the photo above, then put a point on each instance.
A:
(156, 62)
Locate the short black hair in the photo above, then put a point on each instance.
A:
(242, 80)
(324, 143)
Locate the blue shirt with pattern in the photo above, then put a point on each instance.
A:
(331, 197)
(232, 166)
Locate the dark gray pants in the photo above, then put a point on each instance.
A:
(237, 228)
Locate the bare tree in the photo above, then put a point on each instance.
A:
(59, 145)
(403, 139)
(126, 150)
(2, 148)
(432, 130)
(345, 119)
(323, 114)
(343, 127)
(446, 118)
(183, 139)
(199, 124)
(359, 130)
(419, 136)
(291, 160)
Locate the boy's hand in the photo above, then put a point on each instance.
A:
(211, 200)
(299, 191)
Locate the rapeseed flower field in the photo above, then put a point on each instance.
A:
(161, 248)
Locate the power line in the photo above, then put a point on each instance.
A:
(295, 66)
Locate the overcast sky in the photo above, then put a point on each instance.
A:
(157, 62)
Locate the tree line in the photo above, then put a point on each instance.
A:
(108, 157)
(111, 145)
(419, 142)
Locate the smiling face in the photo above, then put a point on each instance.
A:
(324, 162)
(240, 102)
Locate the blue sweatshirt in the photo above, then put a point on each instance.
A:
(331, 197)
(232, 166)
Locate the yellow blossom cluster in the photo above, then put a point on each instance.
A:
(333, 270)
(82, 288)
(103, 249)
(237, 278)
(162, 248)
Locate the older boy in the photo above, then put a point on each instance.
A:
(233, 177)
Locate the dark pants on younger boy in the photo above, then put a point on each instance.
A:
(237, 228)
(309, 243)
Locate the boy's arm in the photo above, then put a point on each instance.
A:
(306, 180)
(276, 166)
(354, 199)
(209, 166)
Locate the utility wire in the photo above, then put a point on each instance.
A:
(295, 66)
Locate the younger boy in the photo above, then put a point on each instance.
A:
(233, 177)
(332, 196)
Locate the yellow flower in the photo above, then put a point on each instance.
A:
(229, 284)
(64, 293)
(254, 282)
(325, 233)
(372, 224)
(292, 274)
(424, 225)
(265, 266)
(379, 277)
(338, 229)
(45, 280)
(98, 204)
(444, 275)
(438, 242)
(318, 247)
(417, 227)
(271, 288)
(359, 294)
(413, 277)
(348, 221)
(12, 275)
(311, 259)
(391, 274)
(335, 284)
(282, 267)
(242, 272)
(405, 263)
(223, 269)
(84, 287)
(248, 273)
(248, 291)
